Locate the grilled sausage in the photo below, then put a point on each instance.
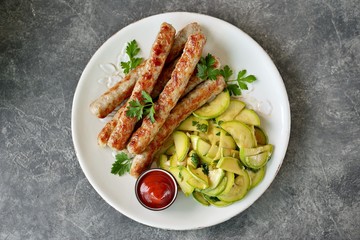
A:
(108, 101)
(115, 95)
(105, 133)
(158, 54)
(195, 80)
(181, 38)
(164, 77)
(170, 95)
(195, 99)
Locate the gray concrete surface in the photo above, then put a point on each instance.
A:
(45, 45)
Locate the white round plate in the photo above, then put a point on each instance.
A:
(233, 47)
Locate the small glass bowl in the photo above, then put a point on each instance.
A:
(156, 189)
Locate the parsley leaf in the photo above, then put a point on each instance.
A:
(201, 127)
(215, 199)
(138, 110)
(132, 49)
(121, 165)
(135, 109)
(195, 159)
(226, 72)
(241, 80)
(181, 177)
(206, 69)
(205, 168)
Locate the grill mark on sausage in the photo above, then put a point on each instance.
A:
(195, 99)
(146, 82)
(170, 95)
(115, 95)
(180, 40)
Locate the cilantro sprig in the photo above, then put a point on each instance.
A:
(206, 69)
(132, 49)
(121, 165)
(240, 82)
(138, 110)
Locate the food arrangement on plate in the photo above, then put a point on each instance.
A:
(180, 110)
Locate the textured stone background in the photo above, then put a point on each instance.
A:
(45, 45)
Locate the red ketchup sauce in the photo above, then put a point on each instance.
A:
(156, 189)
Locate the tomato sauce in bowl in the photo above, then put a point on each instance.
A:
(156, 189)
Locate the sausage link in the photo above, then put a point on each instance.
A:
(180, 40)
(105, 133)
(158, 54)
(195, 80)
(170, 95)
(195, 99)
(163, 79)
(115, 95)
(108, 101)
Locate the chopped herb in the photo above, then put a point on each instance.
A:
(241, 80)
(138, 110)
(181, 176)
(200, 127)
(217, 134)
(206, 69)
(226, 72)
(132, 49)
(121, 165)
(215, 199)
(195, 159)
(205, 168)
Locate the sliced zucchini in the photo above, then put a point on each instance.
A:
(260, 136)
(215, 176)
(197, 184)
(202, 148)
(234, 109)
(256, 157)
(182, 145)
(163, 162)
(244, 152)
(213, 133)
(189, 160)
(198, 174)
(212, 151)
(230, 164)
(226, 140)
(193, 123)
(182, 175)
(216, 201)
(238, 189)
(257, 161)
(241, 133)
(194, 139)
(200, 198)
(170, 151)
(218, 189)
(173, 161)
(230, 182)
(214, 108)
(256, 176)
(249, 117)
